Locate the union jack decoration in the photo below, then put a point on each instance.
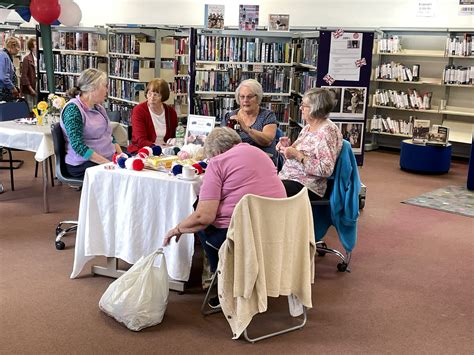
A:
(338, 33)
(329, 79)
(360, 62)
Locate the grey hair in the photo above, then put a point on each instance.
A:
(88, 81)
(220, 140)
(320, 101)
(254, 86)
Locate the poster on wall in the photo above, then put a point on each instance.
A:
(425, 8)
(248, 17)
(353, 132)
(350, 102)
(466, 7)
(214, 16)
(278, 22)
(344, 55)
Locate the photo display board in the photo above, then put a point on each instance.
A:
(344, 67)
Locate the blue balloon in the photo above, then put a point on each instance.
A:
(24, 13)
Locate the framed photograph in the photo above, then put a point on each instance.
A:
(353, 132)
(214, 16)
(353, 102)
(278, 22)
(198, 129)
(248, 17)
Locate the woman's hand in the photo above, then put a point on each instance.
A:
(292, 153)
(243, 126)
(175, 232)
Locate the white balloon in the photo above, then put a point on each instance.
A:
(71, 13)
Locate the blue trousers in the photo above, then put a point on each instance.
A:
(211, 239)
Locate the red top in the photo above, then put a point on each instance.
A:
(143, 130)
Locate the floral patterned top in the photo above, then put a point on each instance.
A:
(321, 149)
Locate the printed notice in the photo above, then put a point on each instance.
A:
(198, 128)
(346, 50)
(466, 7)
(425, 8)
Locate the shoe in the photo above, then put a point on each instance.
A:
(214, 303)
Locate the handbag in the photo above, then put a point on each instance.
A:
(138, 299)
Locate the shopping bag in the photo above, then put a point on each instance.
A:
(139, 297)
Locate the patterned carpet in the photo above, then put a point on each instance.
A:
(453, 199)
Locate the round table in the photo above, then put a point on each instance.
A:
(428, 159)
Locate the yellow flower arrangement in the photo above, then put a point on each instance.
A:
(55, 105)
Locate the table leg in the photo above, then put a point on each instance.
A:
(111, 270)
(45, 186)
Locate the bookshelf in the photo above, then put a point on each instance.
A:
(451, 101)
(138, 55)
(74, 50)
(223, 58)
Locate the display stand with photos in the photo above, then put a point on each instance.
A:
(344, 65)
(422, 74)
(198, 128)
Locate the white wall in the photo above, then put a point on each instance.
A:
(330, 13)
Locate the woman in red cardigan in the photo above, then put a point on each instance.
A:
(153, 122)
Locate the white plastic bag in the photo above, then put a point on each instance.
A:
(139, 297)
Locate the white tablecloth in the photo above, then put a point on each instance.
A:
(125, 214)
(32, 138)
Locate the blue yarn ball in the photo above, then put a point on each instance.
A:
(177, 169)
(176, 150)
(156, 150)
(121, 162)
(203, 164)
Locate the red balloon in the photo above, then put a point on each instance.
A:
(45, 11)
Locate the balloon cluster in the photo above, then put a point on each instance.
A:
(47, 12)
(199, 166)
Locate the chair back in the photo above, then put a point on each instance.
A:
(60, 153)
(13, 110)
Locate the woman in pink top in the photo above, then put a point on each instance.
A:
(311, 159)
(235, 169)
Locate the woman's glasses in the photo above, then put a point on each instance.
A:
(248, 97)
(303, 106)
(152, 94)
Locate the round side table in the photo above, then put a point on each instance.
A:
(425, 159)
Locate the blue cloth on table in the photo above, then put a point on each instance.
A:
(343, 209)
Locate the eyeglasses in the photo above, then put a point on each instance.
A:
(302, 106)
(248, 97)
(153, 94)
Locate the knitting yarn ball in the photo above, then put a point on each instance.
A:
(156, 150)
(203, 164)
(121, 162)
(118, 155)
(182, 155)
(176, 150)
(134, 164)
(198, 168)
(145, 151)
(177, 169)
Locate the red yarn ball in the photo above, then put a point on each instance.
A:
(198, 168)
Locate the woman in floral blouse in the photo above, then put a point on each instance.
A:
(311, 159)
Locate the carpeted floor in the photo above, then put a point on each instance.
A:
(410, 290)
(453, 199)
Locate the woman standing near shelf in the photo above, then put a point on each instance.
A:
(85, 124)
(28, 74)
(8, 78)
(256, 126)
(311, 159)
(153, 121)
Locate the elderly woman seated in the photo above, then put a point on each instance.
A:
(235, 169)
(311, 159)
(256, 126)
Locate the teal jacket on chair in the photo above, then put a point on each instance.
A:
(343, 209)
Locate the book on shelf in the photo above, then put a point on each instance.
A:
(278, 22)
(248, 17)
(438, 135)
(214, 16)
(421, 130)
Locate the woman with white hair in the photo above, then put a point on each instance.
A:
(85, 124)
(256, 126)
(311, 159)
(235, 169)
(8, 78)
